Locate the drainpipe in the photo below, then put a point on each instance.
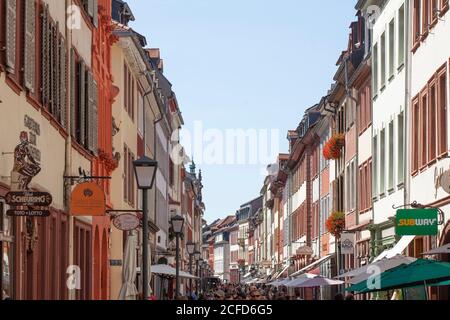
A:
(407, 124)
(68, 157)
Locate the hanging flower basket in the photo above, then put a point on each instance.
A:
(241, 262)
(336, 224)
(333, 147)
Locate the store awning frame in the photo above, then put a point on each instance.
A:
(313, 265)
(398, 249)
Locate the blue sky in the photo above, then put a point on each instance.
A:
(244, 64)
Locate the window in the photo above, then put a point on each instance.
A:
(383, 154)
(391, 48)
(434, 11)
(415, 135)
(417, 22)
(125, 173)
(91, 8)
(442, 111)
(423, 128)
(141, 113)
(365, 108)
(375, 69)
(431, 134)
(129, 92)
(425, 16)
(401, 36)
(390, 164)
(383, 60)
(401, 148)
(375, 168)
(444, 6)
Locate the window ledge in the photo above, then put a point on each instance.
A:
(391, 77)
(401, 67)
(383, 87)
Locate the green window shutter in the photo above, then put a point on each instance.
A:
(11, 16)
(73, 79)
(45, 77)
(63, 81)
(95, 16)
(82, 104)
(30, 45)
(95, 118)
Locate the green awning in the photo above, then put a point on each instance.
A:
(441, 284)
(420, 272)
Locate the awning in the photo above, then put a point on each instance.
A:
(441, 250)
(312, 265)
(166, 270)
(281, 272)
(397, 249)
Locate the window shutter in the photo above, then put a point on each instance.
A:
(63, 81)
(90, 8)
(55, 67)
(89, 107)
(82, 103)
(95, 16)
(30, 45)
(73, 86)
(45, 56)
(11, 16)
(95, 118)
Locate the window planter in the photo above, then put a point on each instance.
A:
(333, 147)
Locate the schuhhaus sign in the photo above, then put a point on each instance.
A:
(417, 222)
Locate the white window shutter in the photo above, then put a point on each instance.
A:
(30, 45)
(11, 17)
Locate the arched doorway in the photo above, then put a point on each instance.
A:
(104, 267)
(96, 257)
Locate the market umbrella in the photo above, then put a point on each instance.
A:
(441, 250)
(420, 272)
(279, 283)
(382, 265)
(296, 282)
(129, 290)
(319, 281)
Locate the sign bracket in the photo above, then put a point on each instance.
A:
(416, 205)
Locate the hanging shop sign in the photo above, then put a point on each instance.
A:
(417, 222)
(88, 199)
(28, 198)
(28, 213)
(126, 222)
(305, 251)
(348, 241)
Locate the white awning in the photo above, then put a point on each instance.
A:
(312, 265)
(441, 250)
(166, 270)
(397, 249)
(282, 271)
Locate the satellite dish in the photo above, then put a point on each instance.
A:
(445, 181)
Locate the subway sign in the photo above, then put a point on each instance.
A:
(417, 222)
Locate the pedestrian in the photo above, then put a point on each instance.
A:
(350, 297)
(339, 296)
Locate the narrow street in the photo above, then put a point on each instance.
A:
(173, 150)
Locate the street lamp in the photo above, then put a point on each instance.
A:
(190, 247)
(177, 226)
(145, 172)
(197, 256)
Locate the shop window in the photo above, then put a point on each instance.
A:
(6, 254)
(417, 22)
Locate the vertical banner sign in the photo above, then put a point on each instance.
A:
(348, 242)
(417, 222)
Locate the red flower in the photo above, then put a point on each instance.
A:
(336, 223)
(332, 148)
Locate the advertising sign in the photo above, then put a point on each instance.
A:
(28, 213)
(417, 222)
(28, 198)
(126, 222)
(348, 241)
(88, 199)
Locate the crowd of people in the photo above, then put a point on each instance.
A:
(252, 292)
